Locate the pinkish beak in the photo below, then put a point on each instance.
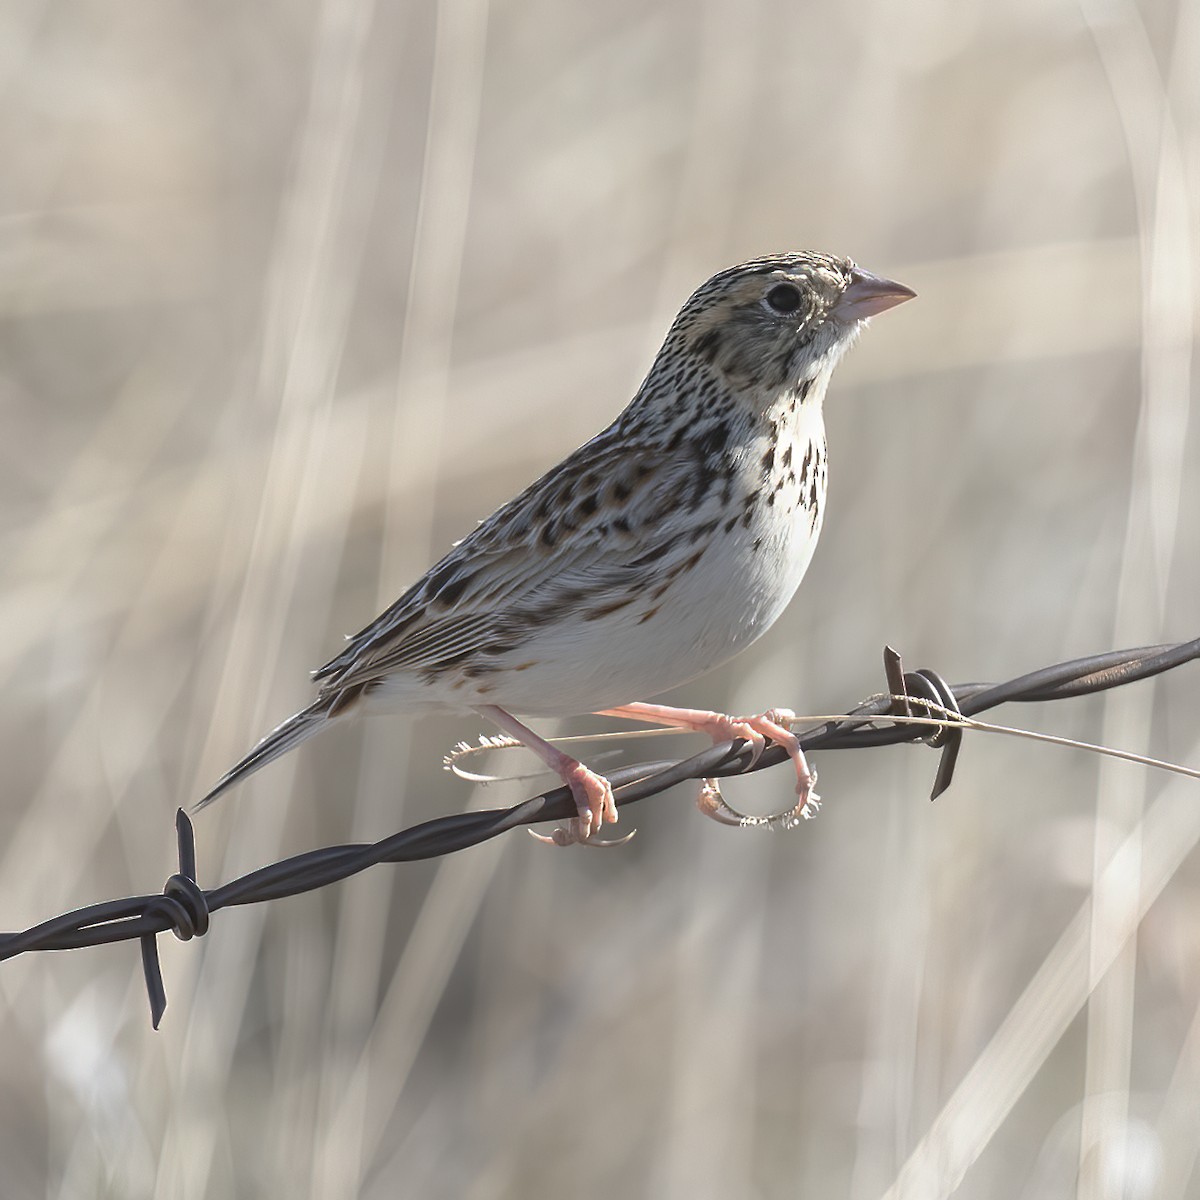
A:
(867, 295)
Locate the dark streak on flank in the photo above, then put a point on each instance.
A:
(605, 610)
(653, 555)
(496, 649)
(702, 480)
(804, 467)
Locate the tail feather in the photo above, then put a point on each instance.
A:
(296, 729)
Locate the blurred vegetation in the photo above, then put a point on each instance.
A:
(293, 293)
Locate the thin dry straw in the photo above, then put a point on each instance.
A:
(946, 721)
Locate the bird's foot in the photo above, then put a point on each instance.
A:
(571, 833)
(712, 804)
(774, 725)
(595, 802)
(593, 794)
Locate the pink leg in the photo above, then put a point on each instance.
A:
(593, 793)
(721, 728)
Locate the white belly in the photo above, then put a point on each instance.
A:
(709, 615)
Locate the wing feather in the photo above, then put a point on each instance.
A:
(586, 532)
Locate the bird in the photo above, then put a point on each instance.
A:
(656, 551)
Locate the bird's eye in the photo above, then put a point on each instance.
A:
(785, 299)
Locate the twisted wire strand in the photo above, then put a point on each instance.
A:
(185, 908)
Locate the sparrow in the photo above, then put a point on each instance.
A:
(659, 549)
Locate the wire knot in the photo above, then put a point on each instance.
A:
(183, 905)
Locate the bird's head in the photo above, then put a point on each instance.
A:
(775, 322)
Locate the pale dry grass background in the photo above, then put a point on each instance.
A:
(294, 293)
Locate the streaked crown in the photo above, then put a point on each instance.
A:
(775, 321)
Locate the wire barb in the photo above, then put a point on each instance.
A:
(918, 691)
(184, 908)
(182, 905)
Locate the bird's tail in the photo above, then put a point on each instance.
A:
(279, 741)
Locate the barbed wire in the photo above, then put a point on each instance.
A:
(184, 908)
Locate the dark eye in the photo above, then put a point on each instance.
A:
(785, 299)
